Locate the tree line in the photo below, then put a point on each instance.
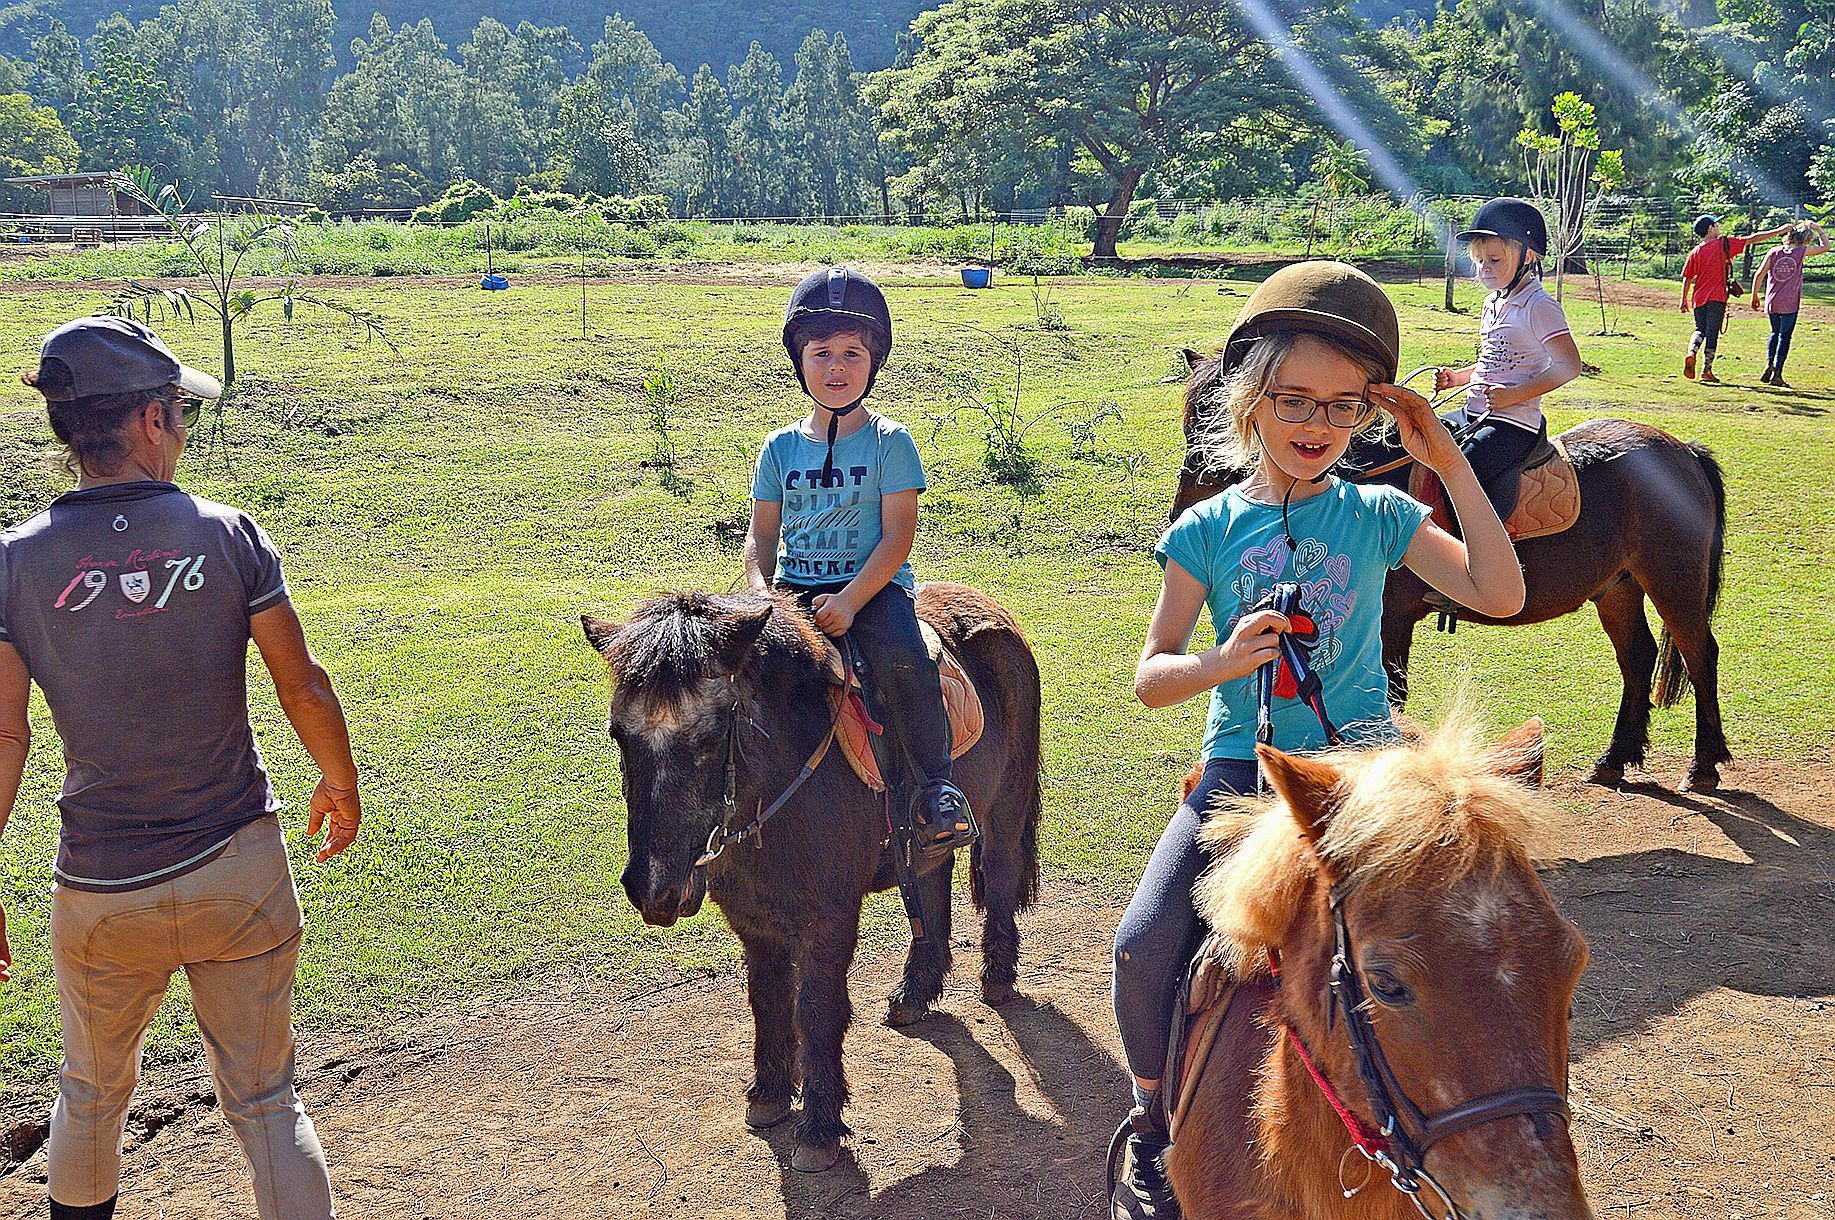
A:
(990, 103)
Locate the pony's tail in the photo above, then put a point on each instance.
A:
(1671, 677)
(1024, 793)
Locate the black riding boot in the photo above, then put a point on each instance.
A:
(944, 821)
(1137, 1167)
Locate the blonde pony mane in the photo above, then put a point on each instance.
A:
(1445, 802)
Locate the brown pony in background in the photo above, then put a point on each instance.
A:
(1464, 968)
(1652, 524)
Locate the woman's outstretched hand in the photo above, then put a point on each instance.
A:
(340, 811)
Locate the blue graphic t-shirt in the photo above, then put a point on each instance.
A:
(1349, 536)
(828, 531)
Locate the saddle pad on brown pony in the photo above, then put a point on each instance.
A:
(1207, 998)
(961, 703)
(1547, 499)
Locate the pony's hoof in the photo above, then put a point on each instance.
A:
(1702, 781)
(900, 1013)
(1606, 775)
(815, 1158)
(996, 994)
(762, 1114)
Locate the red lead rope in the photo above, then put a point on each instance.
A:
(1368, 1142)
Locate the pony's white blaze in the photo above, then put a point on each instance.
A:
(1485, 917)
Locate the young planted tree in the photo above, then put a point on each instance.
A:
(1568, 175)
(1341, 169)
(218, 245)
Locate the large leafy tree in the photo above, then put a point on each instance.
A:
(32, 141)
(58, 58)
(1133, 84)
(125, 114)
(755, 140)
(398, 106)
(630, 73)
(592, 145)
(830, 127)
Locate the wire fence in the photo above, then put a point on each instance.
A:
(1632, 235)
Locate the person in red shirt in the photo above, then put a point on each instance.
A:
(1706, 268)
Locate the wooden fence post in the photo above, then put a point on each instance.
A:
(1452, 264)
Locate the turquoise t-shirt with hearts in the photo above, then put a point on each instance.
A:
(1348, 538)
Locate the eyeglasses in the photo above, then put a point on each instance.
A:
(1298, 408)
(193, 409)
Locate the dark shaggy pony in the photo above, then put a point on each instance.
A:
(698, 679)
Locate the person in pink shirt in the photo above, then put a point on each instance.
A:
(1706, 268)
(1780, 283)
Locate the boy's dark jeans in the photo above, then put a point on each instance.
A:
(1709, 315)
(900, 674)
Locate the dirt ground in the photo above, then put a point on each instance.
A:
(1703, 1050)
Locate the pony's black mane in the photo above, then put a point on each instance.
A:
(676, 641)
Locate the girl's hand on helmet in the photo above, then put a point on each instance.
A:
(1422, 434)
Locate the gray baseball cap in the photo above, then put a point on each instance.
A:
(109, 355)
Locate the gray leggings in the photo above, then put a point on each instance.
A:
(1159, 930)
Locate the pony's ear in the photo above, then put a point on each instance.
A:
(739, 632)
(1192, 359)
(1519, 755)
(1307, 787)
(599, 633)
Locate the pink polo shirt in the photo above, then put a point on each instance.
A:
(1513, 337)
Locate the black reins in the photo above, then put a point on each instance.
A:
(724, 833)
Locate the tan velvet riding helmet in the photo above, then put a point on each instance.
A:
(1326, 298)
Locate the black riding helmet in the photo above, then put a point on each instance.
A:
(1515, 220)
(843, 294)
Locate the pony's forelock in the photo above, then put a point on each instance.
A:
(672, 643)
(1443, 802)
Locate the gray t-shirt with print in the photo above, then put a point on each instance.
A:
(129, 604)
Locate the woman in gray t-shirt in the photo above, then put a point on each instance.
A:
(132, 604)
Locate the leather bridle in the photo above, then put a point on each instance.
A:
(1403, 1133)
(725, 833)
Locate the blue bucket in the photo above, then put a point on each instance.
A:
(977, 277)
(495, 283)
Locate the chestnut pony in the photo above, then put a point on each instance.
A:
(1652, 525)
(1391, 891)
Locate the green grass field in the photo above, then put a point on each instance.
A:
(446, 514)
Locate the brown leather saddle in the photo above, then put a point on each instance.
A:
(1543, 493)
(855, 728)
(1207, 997)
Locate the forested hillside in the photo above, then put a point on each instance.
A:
(687, 32)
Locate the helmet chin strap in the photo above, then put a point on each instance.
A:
(1522, 265)
(834, 426)
(1286, 529)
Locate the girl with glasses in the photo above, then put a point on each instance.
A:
(1310, 362)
